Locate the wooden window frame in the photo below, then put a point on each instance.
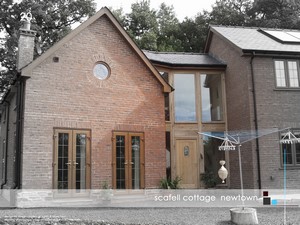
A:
(72, 151)
(128, 175)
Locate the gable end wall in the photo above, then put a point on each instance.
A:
(67, 95)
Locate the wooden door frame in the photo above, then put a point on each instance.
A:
(72, 152)
(128, 177)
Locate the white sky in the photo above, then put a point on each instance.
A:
(182, 8)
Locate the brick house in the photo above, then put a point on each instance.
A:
(95, 108)
(88, 111)
(262, 92)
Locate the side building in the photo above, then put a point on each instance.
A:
(262, 92)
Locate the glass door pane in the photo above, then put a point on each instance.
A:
(120, 162)
(72, 160)
(135, 161)
(63, 161)
(80, 161)
(128, 161)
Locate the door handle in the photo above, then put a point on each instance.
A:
(69, 163)
(125, 163)
(75, 163)
(132, 163)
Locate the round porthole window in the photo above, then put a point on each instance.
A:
(101, 71)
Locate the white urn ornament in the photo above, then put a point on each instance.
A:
(223, 173)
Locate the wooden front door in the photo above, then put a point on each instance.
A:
(187, 167)
(72, 159)
(128, 160)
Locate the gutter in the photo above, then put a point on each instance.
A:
(255, 120)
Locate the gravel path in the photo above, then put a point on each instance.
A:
(140, 216)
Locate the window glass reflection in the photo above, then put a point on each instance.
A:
(211, 98)
(212, 156)
(185, 109)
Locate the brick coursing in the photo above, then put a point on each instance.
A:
(67, 95)
(275, 109)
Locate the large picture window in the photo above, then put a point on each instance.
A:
(287, 74)
(185, 103)
(292, 156)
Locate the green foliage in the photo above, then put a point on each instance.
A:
(167, 183)
(151, 29)
(52, 20)
(230, 12)
(105, 185)
(275, 14)
(209, 179)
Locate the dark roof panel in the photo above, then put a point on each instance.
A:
(258, 39)
(177, 59)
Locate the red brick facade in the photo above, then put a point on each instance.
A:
(65, 94)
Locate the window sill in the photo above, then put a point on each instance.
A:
(286, 89)
(290, 168)
(186, 122)
(214, 122)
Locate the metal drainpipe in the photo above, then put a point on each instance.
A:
(255, 120)
(19, 133)
(6, 140)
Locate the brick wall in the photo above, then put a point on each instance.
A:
(275, 109)
(239, 108)
(25, 48)
(67, 95)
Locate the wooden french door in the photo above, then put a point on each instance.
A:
(72, 159)
(128, 160)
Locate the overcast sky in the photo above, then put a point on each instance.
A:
(182, 8)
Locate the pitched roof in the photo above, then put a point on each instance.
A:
(102, 12)
(181, 59)
(256, 39)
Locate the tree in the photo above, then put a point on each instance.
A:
(276, 14)
(230, 12)
(149, 28)
(142, 26)
(168, 26)
(52, 20)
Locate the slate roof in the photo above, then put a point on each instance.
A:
(253, 39)
(180, 59)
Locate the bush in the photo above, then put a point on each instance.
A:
(209, 179)
(169, 183)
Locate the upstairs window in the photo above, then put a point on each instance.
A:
(185, 104)
(287, 74)
(211, 98)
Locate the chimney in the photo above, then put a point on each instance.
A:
(26, 42)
